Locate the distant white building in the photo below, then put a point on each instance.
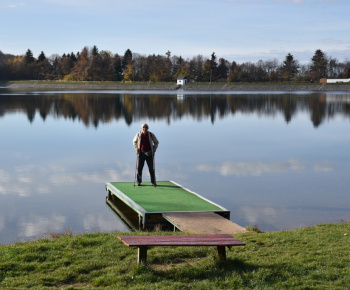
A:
(181, 81)
(334, 81)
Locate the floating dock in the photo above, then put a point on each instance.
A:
(168, 204)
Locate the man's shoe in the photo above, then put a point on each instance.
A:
(138, 184)
(154, 184)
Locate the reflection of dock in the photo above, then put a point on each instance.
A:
(168, 205)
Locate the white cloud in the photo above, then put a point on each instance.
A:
(16, 5)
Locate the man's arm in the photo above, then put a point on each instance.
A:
(135, 142)
(155, 142)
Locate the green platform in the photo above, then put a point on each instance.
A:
(168, 196)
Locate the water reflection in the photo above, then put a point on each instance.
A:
(264, 157)
(95, 108)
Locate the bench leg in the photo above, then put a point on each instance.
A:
(142, 255)
(222, 253)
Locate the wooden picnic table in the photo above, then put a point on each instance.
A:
(219, 240)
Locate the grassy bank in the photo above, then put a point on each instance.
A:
(316, 257)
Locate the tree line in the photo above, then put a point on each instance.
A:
(90, 64)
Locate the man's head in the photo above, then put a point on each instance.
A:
(144, 128)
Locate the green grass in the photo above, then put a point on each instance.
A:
(79, 83)
(167, 196)
(316, 257)
(107, 83)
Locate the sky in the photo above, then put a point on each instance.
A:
(237, 30)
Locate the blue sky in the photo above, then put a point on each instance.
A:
(239, 30)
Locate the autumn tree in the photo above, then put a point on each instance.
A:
(222, 69)
(95, 66)
(260, 73)
(272, 69)
(81, 67)
(196, 65)
(66, 64)
(167, 68)
(233, 75)
(247, 72)
(335, 69)
(128, 73)
(141, 70)
(207, 71)
(181, 67)
(346, 70)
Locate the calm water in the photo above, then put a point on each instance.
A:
(278, 161)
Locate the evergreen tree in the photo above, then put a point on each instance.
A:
(127, 58)
(94, 50)
(319, 65)
(73, 57)
(290, 67)
(41, 57)
(213, 67)
(28, 57)
(117, 68)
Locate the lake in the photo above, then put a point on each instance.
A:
(275, 160)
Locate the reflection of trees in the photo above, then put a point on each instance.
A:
(93, 108)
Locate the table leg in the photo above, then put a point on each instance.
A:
(142, 254)
(222, 253)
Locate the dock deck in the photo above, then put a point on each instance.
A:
(154, 205)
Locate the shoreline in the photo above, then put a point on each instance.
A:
(224, 87)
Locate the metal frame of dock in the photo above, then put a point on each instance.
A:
(150, 203)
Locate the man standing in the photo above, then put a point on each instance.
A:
(145, 144)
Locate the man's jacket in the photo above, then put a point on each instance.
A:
(153, 141)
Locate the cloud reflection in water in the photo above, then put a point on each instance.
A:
(238, 168)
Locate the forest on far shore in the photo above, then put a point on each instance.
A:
(90, 64)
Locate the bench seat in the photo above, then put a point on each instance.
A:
(142, 242)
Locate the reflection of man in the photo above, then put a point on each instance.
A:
(145, 144)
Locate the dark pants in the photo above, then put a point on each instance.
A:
(141, 162)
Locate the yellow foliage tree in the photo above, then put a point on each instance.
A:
(128, 73)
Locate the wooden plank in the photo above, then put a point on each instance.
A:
(186, 240)
(202, 223)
